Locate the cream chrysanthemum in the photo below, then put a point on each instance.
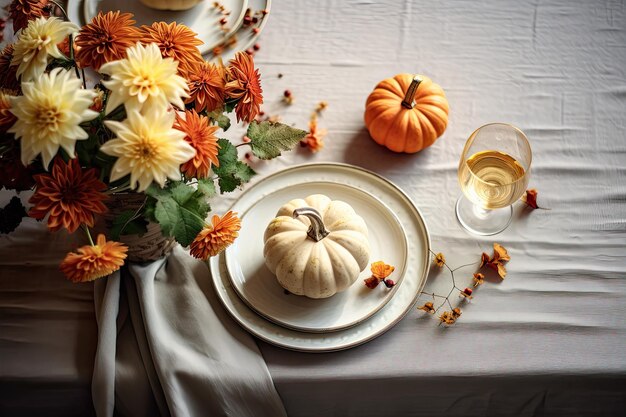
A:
(49, 115)
(144, 81)
(147, 148)
(37, 43)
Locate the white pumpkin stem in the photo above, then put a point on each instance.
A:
(317, 231)
(408, 103)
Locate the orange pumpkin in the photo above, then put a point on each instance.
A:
(406, 113)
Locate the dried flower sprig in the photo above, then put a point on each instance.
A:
(449, 317)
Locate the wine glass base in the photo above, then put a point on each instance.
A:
(480, 221)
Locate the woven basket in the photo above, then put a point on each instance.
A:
(148, 247)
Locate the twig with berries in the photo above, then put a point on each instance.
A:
(449, 317)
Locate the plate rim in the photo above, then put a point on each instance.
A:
(392, 292)
(338, 347)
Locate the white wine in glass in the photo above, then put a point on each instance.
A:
(493, 172)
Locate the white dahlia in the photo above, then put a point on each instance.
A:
(49, 114)
(37, 43)
(144, 81)
(147, 148)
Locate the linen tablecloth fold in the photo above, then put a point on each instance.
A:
(165, 346)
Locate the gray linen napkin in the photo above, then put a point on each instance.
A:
(167, 347)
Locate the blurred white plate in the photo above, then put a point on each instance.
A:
(405, 297)
(259, 288)
(245, 35)
(202, 18)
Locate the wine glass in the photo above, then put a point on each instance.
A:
(493, 172)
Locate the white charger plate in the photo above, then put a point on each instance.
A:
(259, 288)
(405, 297)
(203, 18)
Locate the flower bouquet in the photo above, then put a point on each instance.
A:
(144, 134)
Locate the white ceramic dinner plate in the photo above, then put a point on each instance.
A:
(418, 246)
(203, 18)
(259, 288)
(245, 36)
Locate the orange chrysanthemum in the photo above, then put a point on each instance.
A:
(22, 11)
(105, 39)
(201, 136)
(314, 140)
(94, 261)
(217, 236)
(244, 85)
(70, 195)
(6, 117)
(175, 41)
(206, 83)
(8, 77)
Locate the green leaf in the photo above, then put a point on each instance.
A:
(207, 187)
(223, 121)
(11, 215)
(125, 224)
(268, 139)
(179, 209)
(227, 155)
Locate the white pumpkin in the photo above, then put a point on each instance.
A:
(317, 247)
(171, 4)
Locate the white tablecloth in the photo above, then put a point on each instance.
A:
(550, 339)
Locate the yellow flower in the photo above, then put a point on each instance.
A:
(37, 43)
(147, 148)
(49, 115)
(144, 81)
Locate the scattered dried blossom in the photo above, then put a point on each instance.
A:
(201, 136)
(428, 307)
(450, 317)
(479, 279)
(105, 39)
(496, 262)
(244, 85)
(466, 293)
(216, 237)
(439, 260)
(530, 199)
(71, 196)
(175, 41)
(314, 140)
(380, 271)
(288, 97)
(91, 262)
(321, 106)
(23, 11)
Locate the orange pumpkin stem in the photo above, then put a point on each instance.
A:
(408, 103)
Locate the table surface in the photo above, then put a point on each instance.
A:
(550, 338)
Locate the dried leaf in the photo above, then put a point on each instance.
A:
(530, 198)
(500, 252)
(500, 255)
